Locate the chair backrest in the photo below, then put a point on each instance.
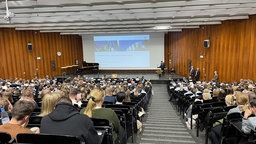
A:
(47, 139)
(34, 121)
(5, 138)
(234, 116)
(104, 124)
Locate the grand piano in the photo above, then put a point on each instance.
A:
(88, 67)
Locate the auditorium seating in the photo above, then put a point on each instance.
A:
(104, 126)
(47, 139)
(208, 113)
(5, 138)
(127, 113)
(34, 121)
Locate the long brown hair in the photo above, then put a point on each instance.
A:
(96, 95)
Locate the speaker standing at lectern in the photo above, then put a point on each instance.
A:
(162, 66)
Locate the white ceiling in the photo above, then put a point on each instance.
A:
(121, 16)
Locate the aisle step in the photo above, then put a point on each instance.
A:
(163, 125)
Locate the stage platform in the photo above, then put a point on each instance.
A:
(153, 77)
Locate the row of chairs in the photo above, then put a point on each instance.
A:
(127, 114)
(209, 112)
(5, 138)
(102, 126)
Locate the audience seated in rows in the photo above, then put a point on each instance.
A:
(43, 94)
(239, 94)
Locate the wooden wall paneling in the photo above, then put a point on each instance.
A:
(8, 55)
(40, 38)
(19, 55)
(18, 61)
(232, 51)
(55, 56)
(52, 43)
(252, 56)
(2, 53)
(35, 44)
(13, 54)
(72, 48)
(242, 51)
(39, 45)
(31, 55)
(246, 48)
(15, 41)
(43, 45)
(80, 47)
(24, 55)
(62, 55)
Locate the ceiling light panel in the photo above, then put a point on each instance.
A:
(13, 4)
(170, 4)
(137, 5)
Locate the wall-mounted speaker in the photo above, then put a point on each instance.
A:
(206, 43)
(29, 46)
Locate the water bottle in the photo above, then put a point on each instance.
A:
(4, 116)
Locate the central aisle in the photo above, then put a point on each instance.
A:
(163, 125)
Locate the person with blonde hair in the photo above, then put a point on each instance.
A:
(48, 103)
(242, 101)
(230, 100)
(94, 109)
(206, 96)
(215, 132)
(249, 119)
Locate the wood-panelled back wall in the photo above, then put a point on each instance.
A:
(19, 62)
(232, 50)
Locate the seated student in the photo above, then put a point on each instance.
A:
(6, 104)
(241, 100)
(75, 97)
(215, 133)
(94, 109)
(21, 112)
(120, 97)
(66, 120)
(48, 103)
(109, 95)
(249, 119)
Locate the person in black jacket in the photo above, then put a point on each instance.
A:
(66, 120)
(197, 74)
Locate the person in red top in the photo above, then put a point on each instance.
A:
(21, 112)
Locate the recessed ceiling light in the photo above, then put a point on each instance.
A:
(161, 27)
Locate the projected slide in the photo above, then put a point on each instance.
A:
(122, 51)
(136, 51)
